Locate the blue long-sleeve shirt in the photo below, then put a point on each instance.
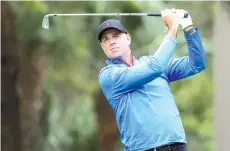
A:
(140, 95)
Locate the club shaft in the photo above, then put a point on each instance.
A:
(45, 22)
(107, 14)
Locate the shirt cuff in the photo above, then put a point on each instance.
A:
(191, 31)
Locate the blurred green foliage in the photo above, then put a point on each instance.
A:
(75, 57)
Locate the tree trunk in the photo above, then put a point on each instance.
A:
(29, 88)
(9, 70)
(108, 132)
(22, 76)
(221, 77)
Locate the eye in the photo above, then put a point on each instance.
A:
(116, 35)
(104, 39)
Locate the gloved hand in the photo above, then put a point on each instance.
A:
(184, 22)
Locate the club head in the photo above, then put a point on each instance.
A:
(45, 22)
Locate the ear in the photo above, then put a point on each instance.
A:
(129, 38)
(101, 44)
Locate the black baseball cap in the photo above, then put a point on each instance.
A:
(110, 23)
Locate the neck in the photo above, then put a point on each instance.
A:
(128, 58)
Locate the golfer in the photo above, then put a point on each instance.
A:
(138, 90)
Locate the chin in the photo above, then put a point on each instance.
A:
(115, 57)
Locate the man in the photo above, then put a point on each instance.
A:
(138, 89)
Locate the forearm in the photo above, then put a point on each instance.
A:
(166, 49)
(196, 51)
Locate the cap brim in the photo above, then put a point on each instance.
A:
(107, 28)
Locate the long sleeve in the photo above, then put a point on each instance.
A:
(117, 80)
(192, 64)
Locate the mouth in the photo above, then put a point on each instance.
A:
(113, 49)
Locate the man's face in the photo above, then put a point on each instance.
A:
(114, 43)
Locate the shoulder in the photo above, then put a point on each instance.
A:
(105, 74)
(109, 73)
(105, 71)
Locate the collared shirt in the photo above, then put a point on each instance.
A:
(140, 95)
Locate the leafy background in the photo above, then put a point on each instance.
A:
(72, 114)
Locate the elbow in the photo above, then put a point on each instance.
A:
(200, 67)
(203, 67)
(202, 62)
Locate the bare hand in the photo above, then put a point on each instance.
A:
(171, 21)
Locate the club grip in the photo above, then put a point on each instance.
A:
(156, 14)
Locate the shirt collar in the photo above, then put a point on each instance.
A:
(117, 61)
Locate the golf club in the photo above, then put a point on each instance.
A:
(45, 22)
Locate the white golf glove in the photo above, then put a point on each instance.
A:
(184, 22)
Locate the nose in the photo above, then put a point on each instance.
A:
(112, 41)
